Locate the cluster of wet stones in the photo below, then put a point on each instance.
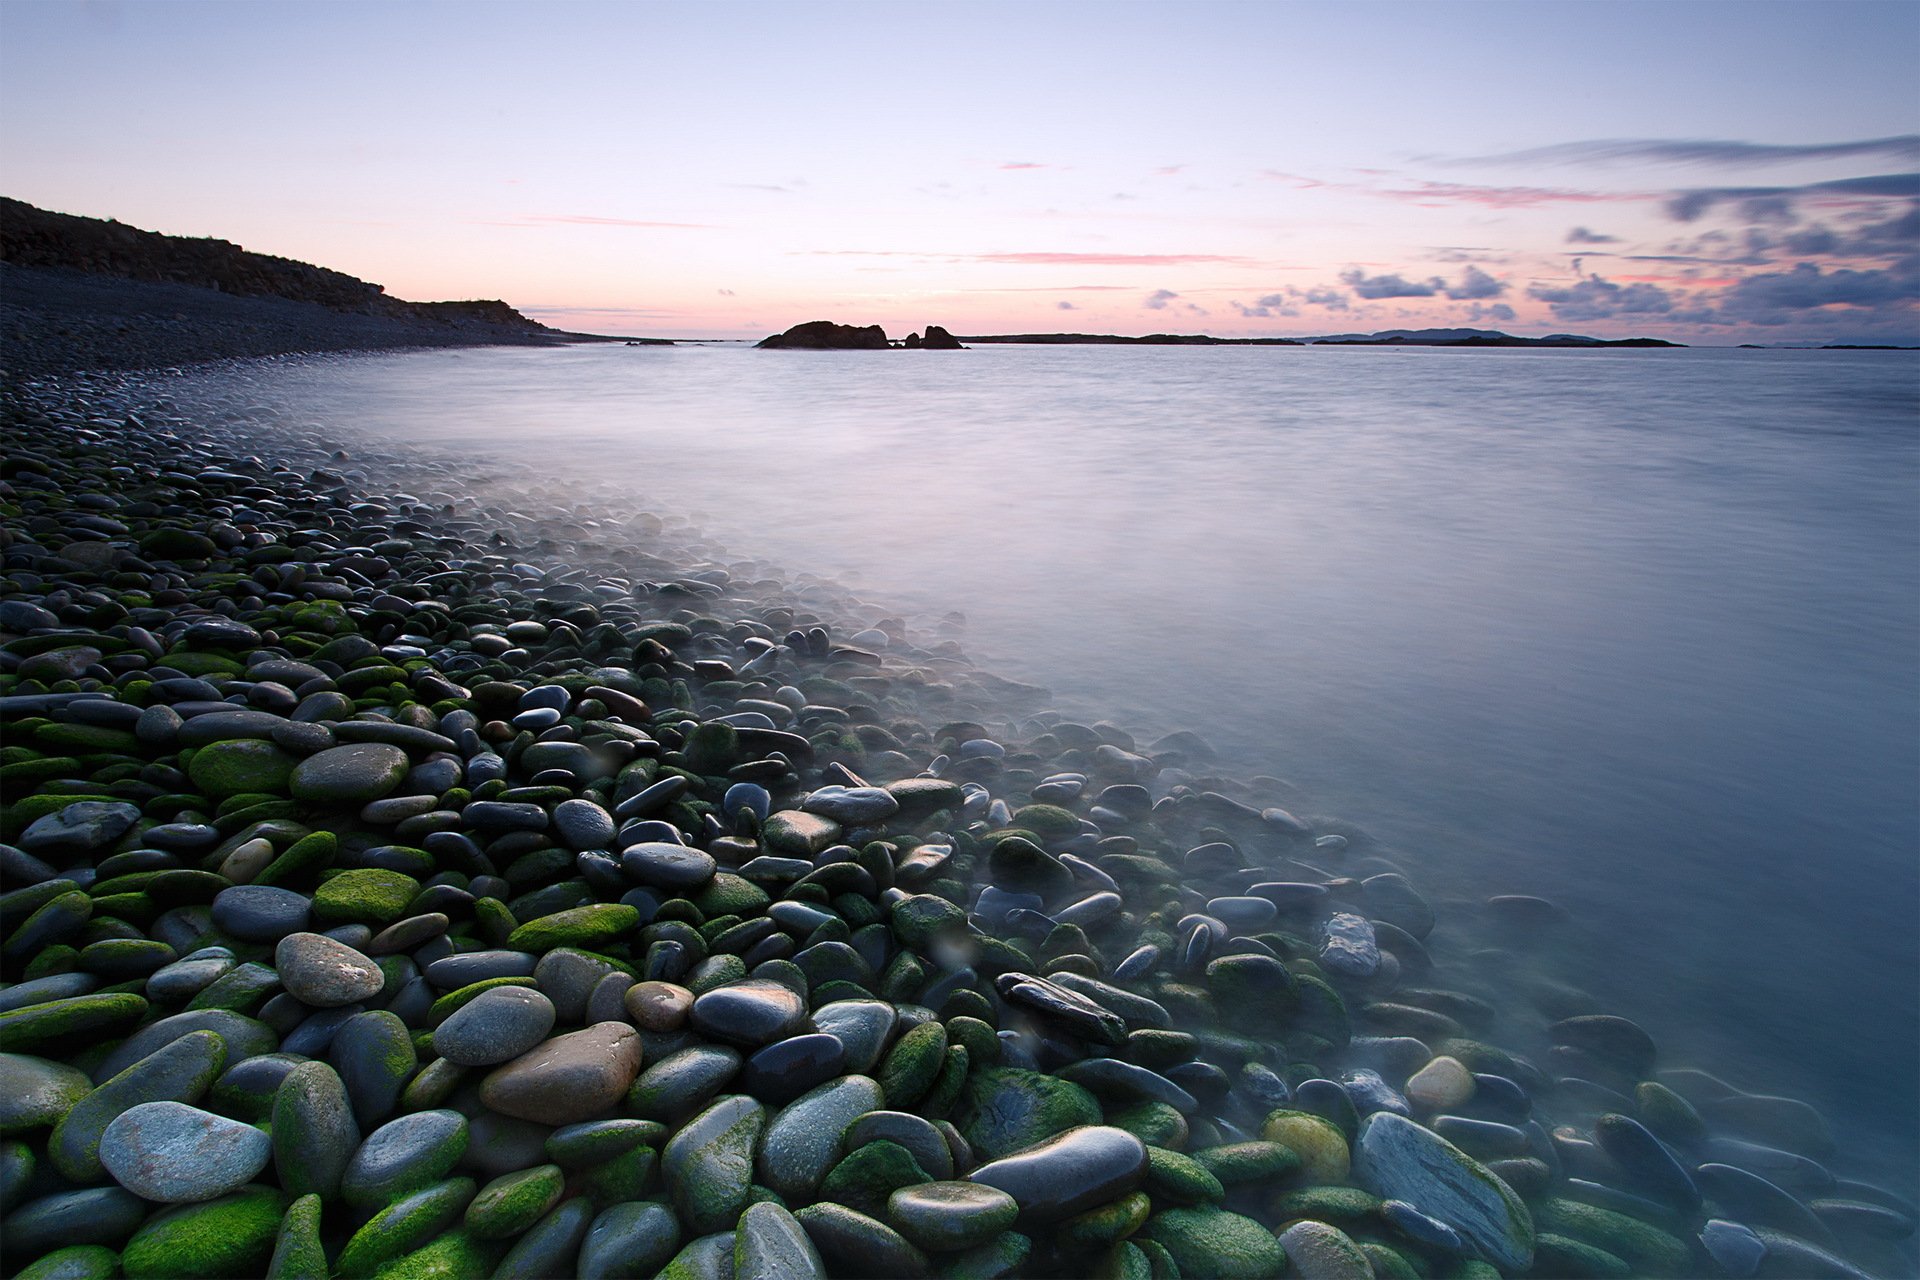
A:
(402, 886)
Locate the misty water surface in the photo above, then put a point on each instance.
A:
(1638, 631)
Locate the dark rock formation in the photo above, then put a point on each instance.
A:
(825, 335)
(39, 238)
(939, 339)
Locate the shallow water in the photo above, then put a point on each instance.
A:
(1638, 631)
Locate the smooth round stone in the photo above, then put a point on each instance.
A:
(635, 1238)
(319, 971)
(658, 1006)
(863, 1026)
(1318, 1251)
(788, 1068)
(1441, 1085)
(749, 1013)
(582, 824)
(750, 796)
(1069, 1173)
(804, 1140)
(944, 1216)
(494, 1027)
(314, 1132)
(1735, 1246)
(660, 865)
(37, 1091)
(403, 1156)
(683, 1082)
(352, 774)
(568, 1079)
(176, 1154)
(187, 977)
(1243, 915)
(925, 1143)
(449, 973)
(769, 1244)
(58, 986)
(852, 806)
(708, 1165)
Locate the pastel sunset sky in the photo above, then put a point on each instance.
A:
(1711, 173)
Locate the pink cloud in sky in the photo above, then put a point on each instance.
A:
(1025, 164)
(1103, 259)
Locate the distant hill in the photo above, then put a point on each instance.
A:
(38, 238)
(1383, 338)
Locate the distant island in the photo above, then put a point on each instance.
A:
(1383, 338)
(825, 335)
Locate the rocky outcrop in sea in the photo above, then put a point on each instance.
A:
(408, 874)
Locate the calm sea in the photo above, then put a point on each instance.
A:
(1637, 631)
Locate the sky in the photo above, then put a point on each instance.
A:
(1703, 172)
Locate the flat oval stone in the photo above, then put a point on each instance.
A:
(260, 913)
(635, 1238)
(568, 1079)
(319, 971)
(351, 774)
(660, 865)
(788, 1068)
(582, 824)
(176, 1154)
(863, 1026)
(943, 1216)
(925, 1143)
(769, 1244)
(494, 1027)
(1069, 1173)
(404, 1156)
(681, 1083)
(708, 1165)
(749, 1013)
(805, 1139)
(1397, 1159)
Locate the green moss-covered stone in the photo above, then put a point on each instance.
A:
(37, 1092)
(1181, 1180)
(513, 1202)
(1349, 1208)
(1108, 1224)
(1558, 1255)
(1215, 1243)
(1322, 1148)
(308, 854)
(241, 766)
(1643, 1247)
(1007, 1109)
(75, 1262)
(58, 1022)
(588, 927)
(457, 1255)
(865, 1179)
(1241, 1162)
(229, 1237)
(365, 895)
(731, 895)
(298, 1253)
(913, 1064)
(405, 1225)
(1154, 1123)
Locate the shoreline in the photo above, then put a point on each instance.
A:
(62, 321)
(478, 560)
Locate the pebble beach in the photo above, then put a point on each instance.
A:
(414, 871)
